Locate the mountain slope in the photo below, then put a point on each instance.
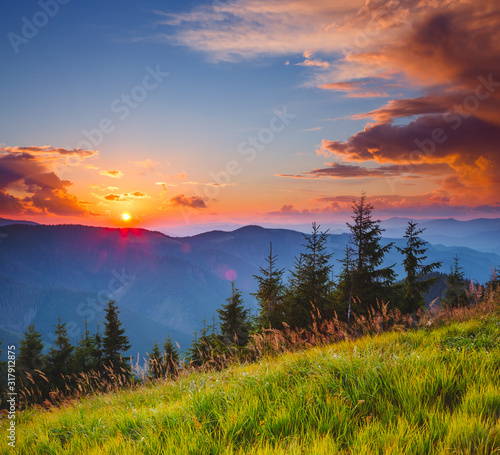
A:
(372, 395)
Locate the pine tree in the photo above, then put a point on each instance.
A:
(115, 341)
(31, 364)
(155, 363)
(310, 285)
(344, 287)
(30, 352)
(164, 364)
(415, 285)
(60, 357)
(370, 282)
(205, 347)
(87, 355)
(455, 293)
(171, 357)
(270, 293)
(234, 320)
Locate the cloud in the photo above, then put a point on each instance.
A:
(468, 145)
(115, 197)
(344, 171)
(450, 51)
(28, 173)
(125, 196)
(422, 205)
(317, 128)
(429, 204)
(11, 205)
(446, 51)
(165, 185)
(47, 149)
(231, 30)
(311, 62)
(219, 185)
(361, 88)
(183, 201)
(115, 174)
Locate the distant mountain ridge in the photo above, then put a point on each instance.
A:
(163, 285)
(482, 234)
(7, 222)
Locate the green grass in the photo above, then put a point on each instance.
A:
(417, 392)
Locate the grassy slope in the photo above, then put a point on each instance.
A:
(416, 392)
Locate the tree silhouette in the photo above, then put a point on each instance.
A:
(234, 321)
(270, 293)
(415, 285)
(171, 357)
(60, 357)
(370, 281)
(345, 285)
(114, 342)
(455, 293)
(155, 363)
(164, 364)
(31, 364)
(87, 354)
(311, 287)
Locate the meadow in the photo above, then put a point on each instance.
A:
(430, 390)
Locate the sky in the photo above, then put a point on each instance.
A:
(272, 112)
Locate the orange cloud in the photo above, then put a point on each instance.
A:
(47, 149)
(361, 88)
(422, 205)
(125, 196)
(115, 174)
(27, 170)
(312, 62)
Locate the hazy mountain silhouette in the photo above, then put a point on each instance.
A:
(482, 234)
(6, 222)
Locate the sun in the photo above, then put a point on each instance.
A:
(126, 216)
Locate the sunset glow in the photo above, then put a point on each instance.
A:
(203, 118)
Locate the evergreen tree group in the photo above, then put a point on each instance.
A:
(40, 374)
(164, 364)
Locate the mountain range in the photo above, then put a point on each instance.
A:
(163, 285)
